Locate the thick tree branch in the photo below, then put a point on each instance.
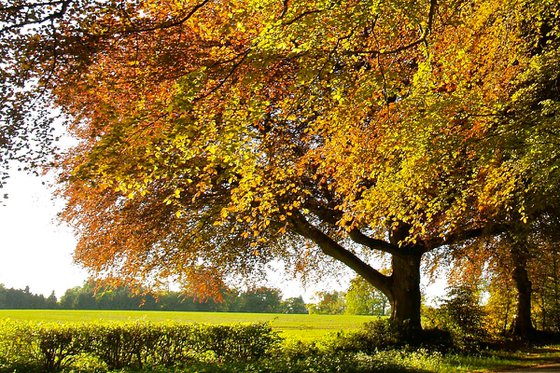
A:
(331, 248)
(326, 214)
(285, 5)
(332, 217)
(466, 235)
(357, 236)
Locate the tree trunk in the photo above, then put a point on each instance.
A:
(402, 288)
(506, 317)
(522, 324)
(556, 289)
(405, 294)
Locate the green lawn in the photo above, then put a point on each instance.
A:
(314, 327)
(302, 327)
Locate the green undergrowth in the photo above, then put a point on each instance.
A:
(46, 347)
(179, 347)
(304, 357)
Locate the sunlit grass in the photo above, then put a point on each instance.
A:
(496, 360)
(293, 326)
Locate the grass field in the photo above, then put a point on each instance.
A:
(314, 327)
(301, 327)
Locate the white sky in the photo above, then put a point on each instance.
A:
(36, 250)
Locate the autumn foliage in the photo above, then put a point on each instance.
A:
(216, 136)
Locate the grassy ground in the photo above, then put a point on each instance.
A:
(309, 328)
(496, 361)
(301, 327)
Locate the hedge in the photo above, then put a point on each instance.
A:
(53, 347)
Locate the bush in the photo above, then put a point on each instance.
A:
(120, 345)
(52, 347)
(462, 316)
(376, 335)
(240, 342)
(15, 345)
(382, 335)
(56, 345)
(323, 358)
(45, 347)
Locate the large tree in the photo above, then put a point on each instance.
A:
(219, 135)
(521, 185)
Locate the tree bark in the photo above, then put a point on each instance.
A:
(522, 325)
(405, 297)
(402, 288)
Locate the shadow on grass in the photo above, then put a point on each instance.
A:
(395, 369)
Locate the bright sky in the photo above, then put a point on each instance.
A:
(36, 250)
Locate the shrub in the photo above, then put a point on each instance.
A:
(15, 345)
(119, 345)
(319, 358)
(381, 335)
(48, 347)
(462, 316)
(240, 342)
(174, 344)
(56, 345)
(52, 347)
(375, 335)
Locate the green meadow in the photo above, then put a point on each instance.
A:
(291, 326)
(305, 328)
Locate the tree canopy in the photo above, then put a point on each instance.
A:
(219, 135)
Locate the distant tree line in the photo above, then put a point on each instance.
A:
(24, 299)
(262, 299)
(360, 299)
